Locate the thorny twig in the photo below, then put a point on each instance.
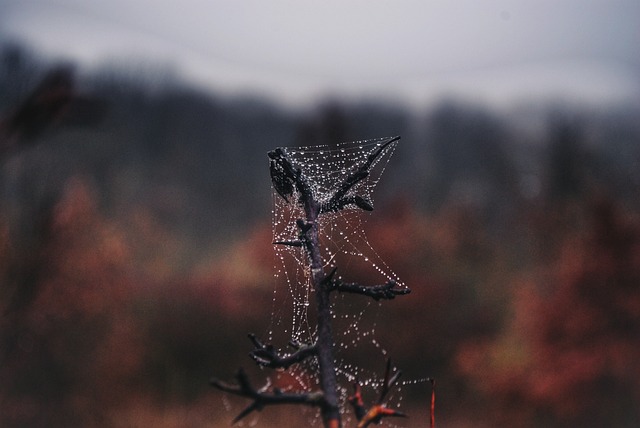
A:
(358, 201)
(338, 200)
(267, 356)
(302, 236)
(262, 398)
(288, 179)
(378, 411)
(285, 177)
(386, 291)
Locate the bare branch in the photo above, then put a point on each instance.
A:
(266, 355)
(285, 176)
(389, 381)
(289, 181)
(337, 205)
(378, 411)
(282, 175)
(261, 399)
(289, 243)
(386, 291)
(354, 178)
(356, 401)
(302, 236)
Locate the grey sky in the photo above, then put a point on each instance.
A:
(411, 50)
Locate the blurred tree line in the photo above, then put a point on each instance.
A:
(135, 248)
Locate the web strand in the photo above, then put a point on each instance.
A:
(343, 239)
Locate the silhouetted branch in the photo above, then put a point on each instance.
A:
(389, 381)
(338, 205)
(356, 401)
(302, 236)
(378, 411)
(288, 179)
(267, 356)
(337, 201)
(285, 176)
(386, 291)
(261, 398)
(289, 243)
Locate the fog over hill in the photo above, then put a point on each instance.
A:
(197, 161)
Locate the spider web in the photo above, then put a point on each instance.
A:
(344, 245)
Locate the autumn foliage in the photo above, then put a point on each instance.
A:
(567, 354)
(95, 331)
(87, 335)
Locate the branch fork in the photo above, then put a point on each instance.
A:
(379, 410)
(267, 356)
(261, 398)
(339, 200)
(290, 182)
(386, 291)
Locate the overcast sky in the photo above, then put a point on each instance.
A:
(299, 50)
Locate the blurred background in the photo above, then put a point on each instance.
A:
(135, 210)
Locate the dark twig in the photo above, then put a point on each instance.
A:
(285, 176)
(337, 201)
(289, 180)
(358, 201)
(289, 243)
(286, 172)
(378, 411)
(267, 356)
(302, 236)
(261, 398)
(386, 291)
(389, 381)
(356, 401)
